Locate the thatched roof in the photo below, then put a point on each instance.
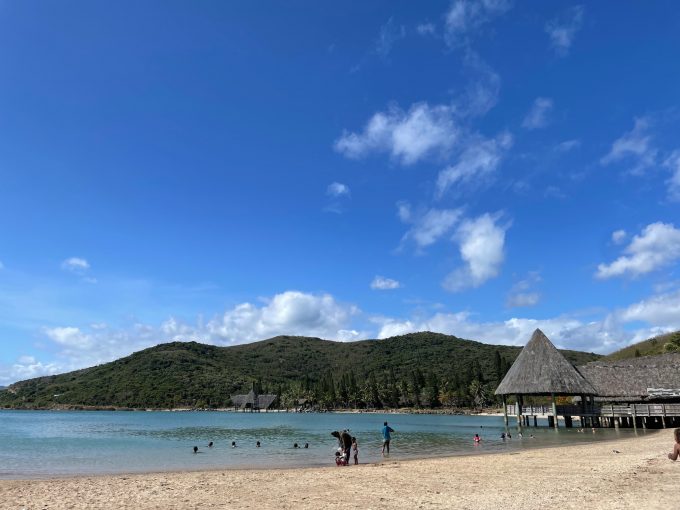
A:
(253, 400)
(635, 379)
(540, 369)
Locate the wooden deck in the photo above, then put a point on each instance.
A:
(610, 411)
(610, 415)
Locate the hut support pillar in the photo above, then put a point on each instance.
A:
(554, 409)
(535, 421)
(505, 412)
(663, 418)
(519, 412)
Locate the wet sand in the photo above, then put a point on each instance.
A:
(580, 476)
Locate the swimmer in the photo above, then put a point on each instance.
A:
(210, 444)
(295, 445)
(195, 449)
(257, 444)
(306, 445)
(233, 444)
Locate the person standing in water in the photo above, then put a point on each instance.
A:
(386, 433)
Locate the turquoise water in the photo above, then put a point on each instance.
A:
(58, 443)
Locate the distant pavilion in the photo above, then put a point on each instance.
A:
(252, 402)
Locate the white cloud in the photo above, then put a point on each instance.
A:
(404, 211)
(69, 337)
(75, 264)
(382, 283)
(464, 17)
(672, 163)
(476, 164)
(426, 29)
(538, 114)
(604, 333)
(568, 145)
(288, 313)
(389, 34)
(657, 246)
(618, 236)
(563, 29)
(661, 310)
(523, 293)
(483, 89)
(634, 145)
(408, 137)
(521, 299)
(431, 226)
(337, 189)
(481, 243)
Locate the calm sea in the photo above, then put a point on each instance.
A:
(58, 443)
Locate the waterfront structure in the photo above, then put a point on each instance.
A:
(252, 402)
(636, 392)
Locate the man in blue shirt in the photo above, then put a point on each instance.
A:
(386, 431)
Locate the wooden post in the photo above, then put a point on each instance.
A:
(554, 408)
(505, 412)
(634, 418)
(663, 417)
(518, 410)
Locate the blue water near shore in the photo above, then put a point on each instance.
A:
(63, 443)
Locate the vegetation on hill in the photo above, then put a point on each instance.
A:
(420, 369)
(657, 345)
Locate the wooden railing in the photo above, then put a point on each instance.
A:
(608, 410)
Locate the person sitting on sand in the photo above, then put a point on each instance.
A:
(355, 450)
(676, 447)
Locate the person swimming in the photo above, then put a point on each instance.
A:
(306, 445)
(257, 444)
(295, 445)
(477, 439)
(210, 444)
(195, 449)
(233, 444)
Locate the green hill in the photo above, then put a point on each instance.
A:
(650, 347)
(409, 369)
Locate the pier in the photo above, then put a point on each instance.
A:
(605, 415)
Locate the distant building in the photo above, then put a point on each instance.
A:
(253, 402)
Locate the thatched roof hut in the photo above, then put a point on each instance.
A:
(540, 369)
(637, 379)
(253, 401)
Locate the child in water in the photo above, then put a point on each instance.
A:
(477, 439)
(676, 447)
(355, 450)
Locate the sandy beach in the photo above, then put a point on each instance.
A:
(590, 476)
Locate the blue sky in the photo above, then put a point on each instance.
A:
(227, 172)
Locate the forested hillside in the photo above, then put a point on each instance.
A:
(420, 369)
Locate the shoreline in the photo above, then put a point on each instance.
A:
(568, 476)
